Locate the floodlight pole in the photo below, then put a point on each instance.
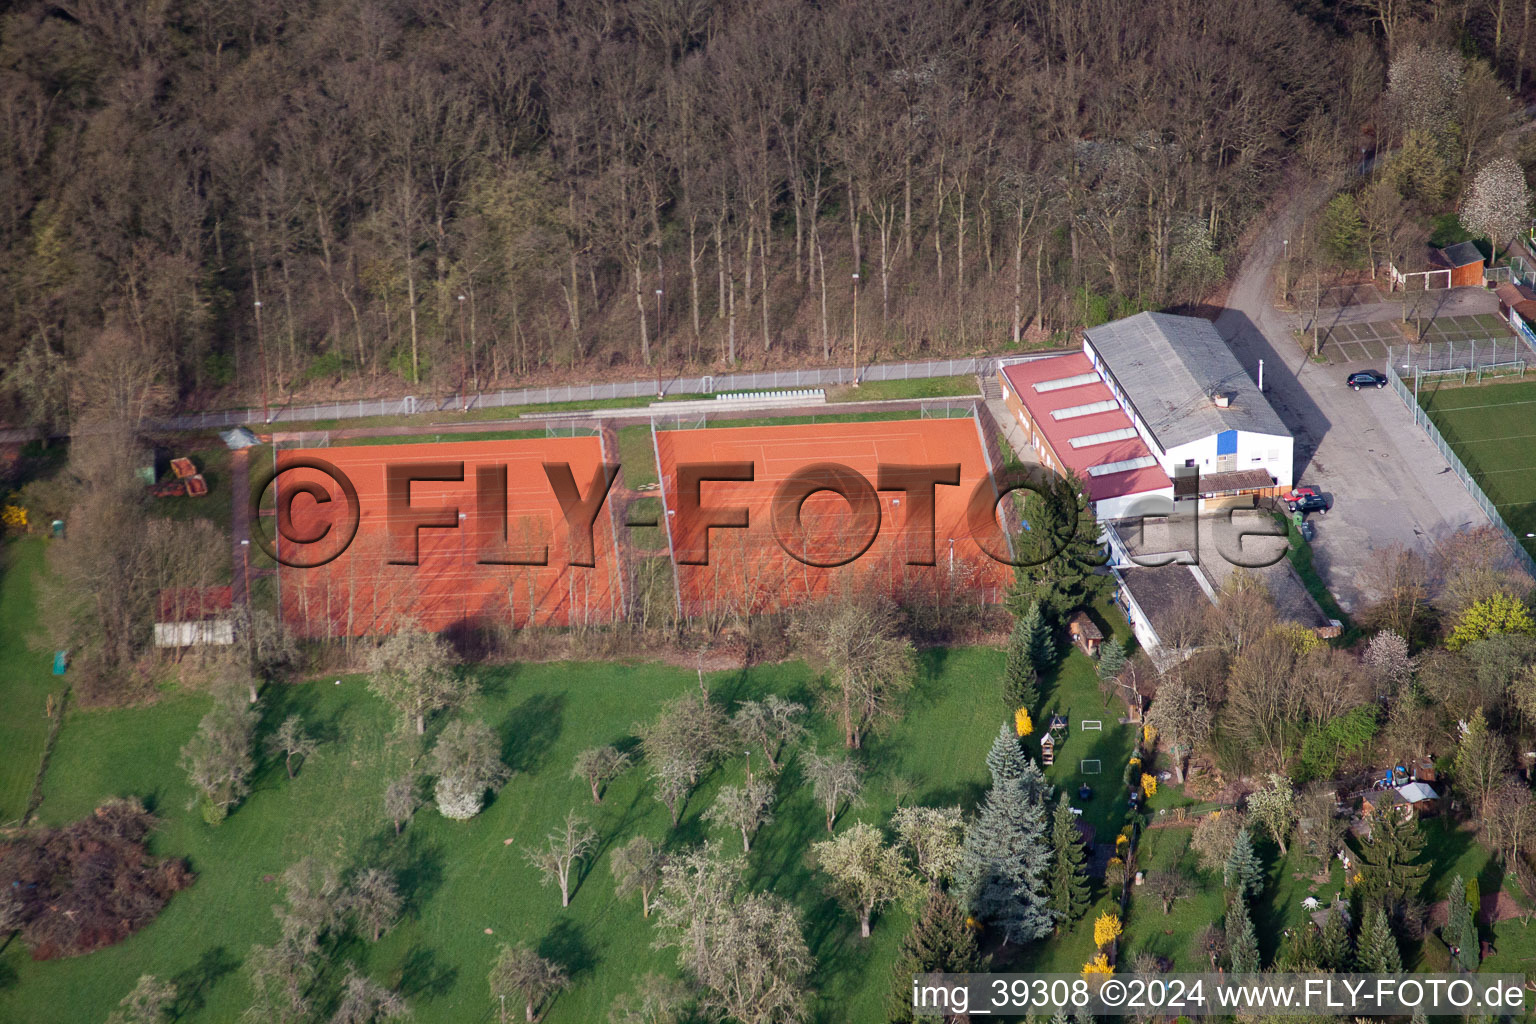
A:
(463, 359)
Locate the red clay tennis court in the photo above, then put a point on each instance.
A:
(749, 572)
(360, 593)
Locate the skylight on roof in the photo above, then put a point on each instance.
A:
(1072, 412)
(1077, 380)
(1123, 466)
(1089, 440)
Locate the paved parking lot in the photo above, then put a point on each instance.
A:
(1360, 343)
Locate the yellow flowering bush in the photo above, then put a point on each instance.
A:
(1022, 724)
(1106, 929)
(1148, 734)
(1098, 965)
(1149, 784)
(13, 517)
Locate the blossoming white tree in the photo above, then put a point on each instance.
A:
(1498, 202)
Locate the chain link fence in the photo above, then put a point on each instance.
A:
(1474, 357)
(701, 385)
(1408, 394)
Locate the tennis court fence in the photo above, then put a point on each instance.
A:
(1397, 359)
(708, 384)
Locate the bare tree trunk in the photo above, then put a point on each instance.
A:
(1018, 278)
(645, 337)
(720, 262)
(730, 304)
(821, 258)
(695, 254)
(410, 293)
(906, 214)
(762, 259)
(1039, 286)
(853, 226)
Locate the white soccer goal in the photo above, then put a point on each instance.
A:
(1091, 725)
(1419, 281)
(1089, 767)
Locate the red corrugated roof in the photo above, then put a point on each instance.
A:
(1022, 377)
(194, 604)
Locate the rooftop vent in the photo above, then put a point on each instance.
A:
(1222, 400)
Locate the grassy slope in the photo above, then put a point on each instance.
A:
(28, 674)
(462, 879)
(915, 387)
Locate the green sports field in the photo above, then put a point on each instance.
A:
(1492, 428)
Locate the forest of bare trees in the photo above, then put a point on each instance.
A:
(325, 195)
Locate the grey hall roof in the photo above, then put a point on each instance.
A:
(1172, 367)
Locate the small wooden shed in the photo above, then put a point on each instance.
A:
(1085, 633)
(1047, 749)
(1465, 262)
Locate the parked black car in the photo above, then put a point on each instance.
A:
(1367, 379)
(1310, 503)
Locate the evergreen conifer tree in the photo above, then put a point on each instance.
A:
(1062, 540)
(1378, 952)
(1021, 684)
(1389, 875)
(1333, 952)
(1069, 873)
(1242, 941)
(1460, 932)
(1300, 953)
(1243, 875)
(1032, 781)
(938, 941)
(1006, 860)
(1006, 759)
(1039, 647)
(1111, 657)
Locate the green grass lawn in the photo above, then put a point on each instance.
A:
(1073, 691)
(1300, 555)
(461, 878)
(488, 435)
(832, 417)
(29, 677)
(482, 413)
(915, 387)
(637, 455)
(1171, 935)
